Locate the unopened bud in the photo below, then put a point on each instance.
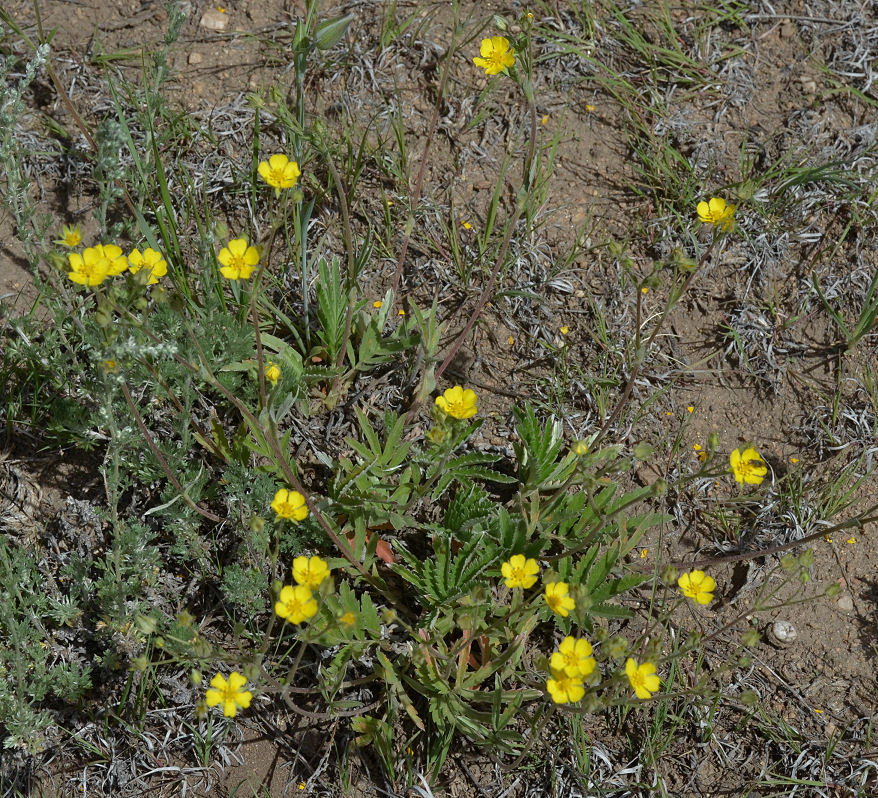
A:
(331, 31)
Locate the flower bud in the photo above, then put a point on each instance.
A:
(146, 624)
(331, 31)
(617, 647)
(682, 261)
(642, 450)
(749, 698)
(669, 575)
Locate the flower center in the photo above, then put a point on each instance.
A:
(518, 575)
(294, 606)
(496, 56)
(94, 267)
(229, 693)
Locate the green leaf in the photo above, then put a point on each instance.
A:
(537, 453)
(331, 307)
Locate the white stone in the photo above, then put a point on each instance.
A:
(212, 19)
(782, 633)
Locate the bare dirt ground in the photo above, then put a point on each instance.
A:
(750, 354)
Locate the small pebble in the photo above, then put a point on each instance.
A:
(195, 58)
(782, 634)
(214, 20)
(846, 603)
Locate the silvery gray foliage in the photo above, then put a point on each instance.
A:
(13, 85)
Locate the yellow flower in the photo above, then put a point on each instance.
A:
(289, 504)
(296, 604)
(458, 403)
(558, 598)
(642, 678)
(718, 213)
(229, 694)
(573, 657)
(564, 330)
(697, 585)
(96, 263)
(580, 448)
(748, 466)
(496, 55)
(310, 571)
(238, 260)
(565, 689)
(272, 373)
(377, 303)
(118, 262)
(70, 236)
(279, 172)
(348, 619)
(152, 260)
(519, 572)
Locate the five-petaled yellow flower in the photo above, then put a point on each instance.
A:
(279, 172)
(458, 403)
(272, 373)
(496, 55)
(151, 260)
(565, 689)
(573, 657)
(289, 504)
(559, 599)
(748, 466)
(96, 263)
(717, 213)
(642, 678)
(310, 571)
(70, 236)
(229, 693)
(295, 604)
(238, 260)
(697, 585)
(520, 572)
